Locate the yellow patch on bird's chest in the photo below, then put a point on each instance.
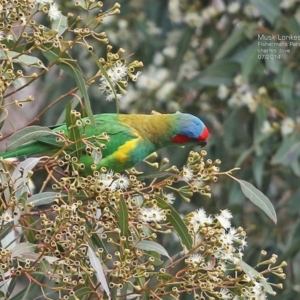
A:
(123, 152)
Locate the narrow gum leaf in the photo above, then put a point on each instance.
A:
(258, 198)
(26, 135)
(152, 246)
(178, 224)
(42, 198)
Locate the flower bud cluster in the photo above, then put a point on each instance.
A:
(115, 74)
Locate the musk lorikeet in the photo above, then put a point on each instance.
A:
(131, 138)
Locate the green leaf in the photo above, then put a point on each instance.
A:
(267, 9)
(258, 169)
(27, 60)
(21, 250)
(99, 270)
(274, 65)
(293, 154)
(3, 116)
(288, 154)
(258, 198)
(73, 102)
(248, 151)
(282, 154)
(250, 62)
(42, 198)
(287, 80)
(95, 240)
(182, 46)
(178, 224)
(123, 218)
(60, 24)
(253, 274)
(29, 235)
(220, 72)
(152, 246)
(23, 295)
(5, 230)
(97, 156)
(21, 171)
(141, 282)
(84, 292)
(26, 135)
(70, 66)
(232, 42)
(44, 266)
(8, 283)
(12, 283)
(291, 24)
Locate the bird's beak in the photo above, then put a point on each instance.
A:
(202, 144)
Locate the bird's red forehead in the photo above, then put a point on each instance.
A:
(205, 135)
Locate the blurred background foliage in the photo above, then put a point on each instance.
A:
(202, 57)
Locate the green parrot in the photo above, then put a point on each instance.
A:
(131, 138)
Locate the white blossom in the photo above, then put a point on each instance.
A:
(121, 183)
(196, 258)
(169, 198)
(226, 214)
(200, 216)
(258, 288)
(117, 73)
(223, 91)
(152, 78)
(224, 221)
(151, 214)
(9, 37)
(249, 100)
(7, 216)
(239, 80)
(251, 11)
(225, 294)
(208, 43)
(123, 24)
(112, 96)
(158, 59)
(194, 19)
(233, 7)
(209, 12)
(266, 127)
(189, 69)
(286, 4)
(166, 89)
(152, 29)
(187, 173)
(174, 11)
(105, 180)
(235, 100)
(54, 13)
(262, 91)
(287, 126)
(170, 51)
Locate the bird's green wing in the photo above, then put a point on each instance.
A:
(121, 140)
